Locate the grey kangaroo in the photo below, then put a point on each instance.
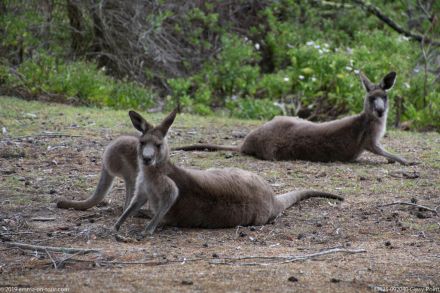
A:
(290, 138)
(215, 198)
(119, 160)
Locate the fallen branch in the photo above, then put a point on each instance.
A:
(280, 259)
(43, 219)
(392, 24)
(45, 135)
(51, 248)
(410, 204)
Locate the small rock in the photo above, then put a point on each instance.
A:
(334, 280)
(215, 255)
(300, 236)
(387, 243)
(242, 234)
(252, 228)
(52, 191)
(362, 178)
(318, 225)
(205, 244)
(187, 282)
(229, 155)
(413, 200)
(292, 279)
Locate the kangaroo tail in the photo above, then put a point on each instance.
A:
(104, 185)
(288, 199)
(207, 147)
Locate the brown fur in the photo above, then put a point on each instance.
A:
(215, 198)
(290, 138)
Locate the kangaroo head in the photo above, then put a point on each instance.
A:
(376, 100)
(152, 148)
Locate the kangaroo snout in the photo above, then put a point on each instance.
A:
(379, 107)
(148, 154)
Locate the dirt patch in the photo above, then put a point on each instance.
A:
(401, 242)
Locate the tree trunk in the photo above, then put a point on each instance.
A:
(76, 26)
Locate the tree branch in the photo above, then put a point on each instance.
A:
(50, 248)
(392, 24)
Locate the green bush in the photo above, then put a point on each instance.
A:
(82, 80)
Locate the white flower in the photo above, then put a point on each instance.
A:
(317, 46)
(407, 85)
(326, 45)
(416, 70)
(234, 98)
(326, 50)
(301, 77)
(351, 62)
(357, 71)
(313, 79)
(349, 50)
(103, 68)
(310, 43)
(320, 51)
(348, 68)
(257, 46)
(286, 79)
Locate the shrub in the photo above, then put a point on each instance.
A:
(82, 80)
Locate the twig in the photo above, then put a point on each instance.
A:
(280, 259)
(404, 175)
(44, 135)
(50, 248)
(43, 219)
(51, 258)
(409, 204)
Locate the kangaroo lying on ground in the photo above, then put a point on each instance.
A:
(290, 138)
(215, 198)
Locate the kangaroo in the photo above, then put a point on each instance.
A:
(119, 160)
(215, 198)
(290, 138)
(345, 139)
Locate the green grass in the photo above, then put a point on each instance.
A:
(23, 118)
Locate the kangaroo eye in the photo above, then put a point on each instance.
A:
(158, 145)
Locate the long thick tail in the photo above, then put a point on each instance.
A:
(104, 185)
(288, 199)
(207, 147)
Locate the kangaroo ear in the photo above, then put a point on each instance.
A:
(139, 122)
(368, 85)
(388, 81)
(166, 123)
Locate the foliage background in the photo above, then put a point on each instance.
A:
(249, 59)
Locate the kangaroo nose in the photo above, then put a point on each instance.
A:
(379, 113)
(147, 161)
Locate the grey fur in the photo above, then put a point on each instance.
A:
(215, 198)
(290, 138)
(119, 160)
